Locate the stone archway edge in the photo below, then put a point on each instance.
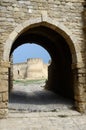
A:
(43, 20)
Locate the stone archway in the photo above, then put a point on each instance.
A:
(60, 73)
(60, 45)
(47, 22)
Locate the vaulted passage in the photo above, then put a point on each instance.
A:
(59, 71)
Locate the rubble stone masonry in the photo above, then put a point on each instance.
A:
(65, 17)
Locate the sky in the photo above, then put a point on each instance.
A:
(25, 51)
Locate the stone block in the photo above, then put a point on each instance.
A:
(5, 96)
(82, 79)
(3, 86)
(80, 106)
(19, 28)
(4, 76)
(44, 15)
(30, 22)
(16, 9)
(79, 57)
(5, 64)
(82, 70)
(79, 89)
(3, 70)
(79, 65)
(13, 35)
(3, 113)
(3, 105)
(80, 98)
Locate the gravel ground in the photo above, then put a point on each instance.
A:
(32, 97)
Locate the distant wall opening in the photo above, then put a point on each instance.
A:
(30, 62)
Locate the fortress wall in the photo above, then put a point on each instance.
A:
(45, 70)
(32, 69)
(19, 71)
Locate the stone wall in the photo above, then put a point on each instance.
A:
(32, 69)
(19, 70)
(66, 17)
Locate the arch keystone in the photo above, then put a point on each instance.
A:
(30, 22)
(44, 15)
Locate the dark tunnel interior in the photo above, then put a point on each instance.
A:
(59, 72)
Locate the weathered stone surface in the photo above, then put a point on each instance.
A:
(82, 79)
(34, 68)
(5, 96)
(66, 18)
(5, 65)
(3, 70)
(0, 97)
(80, 98)
(3, 105)
(82, 106)
(3, 85)
(3, 113)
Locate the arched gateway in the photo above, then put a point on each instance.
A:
(56, 39)
(60, 43)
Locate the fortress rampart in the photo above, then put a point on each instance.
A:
(34, 68)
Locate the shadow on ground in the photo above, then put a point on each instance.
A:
(36, 98)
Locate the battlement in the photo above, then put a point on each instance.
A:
(18, 64)
(34, 60)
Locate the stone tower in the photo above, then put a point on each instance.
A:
(33, 69)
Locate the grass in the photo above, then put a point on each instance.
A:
(26, 82)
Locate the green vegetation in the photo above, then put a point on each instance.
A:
(26, 82)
